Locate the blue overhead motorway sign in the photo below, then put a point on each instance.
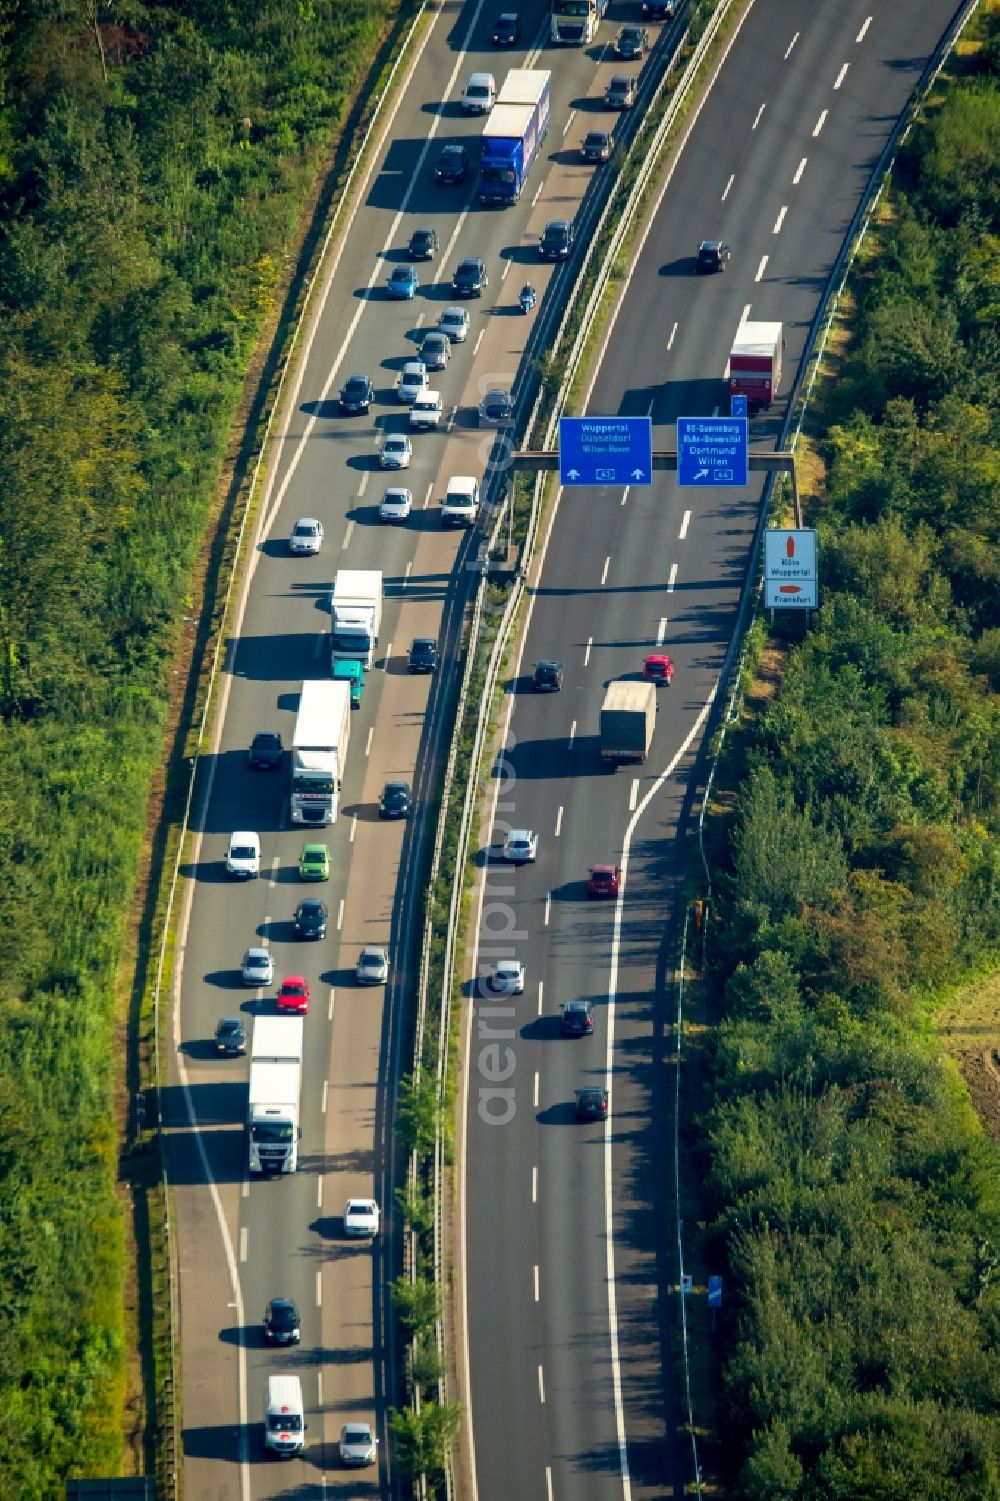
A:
(605, 450)
(712, 452)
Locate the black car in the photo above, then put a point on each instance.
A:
(470, 278)
(265, 750)
(423, 244)
(281, 1322)
(557, 240)
(423, 655)
(577, 1019)
(452, 165)
(713, 255)
(507, 29)
(659, 10)
(311, 917)
(396, 800)
(547, 677)
(595, 146)
(630, 43)
(591, 1104)
(357, 394)
(230, 1037)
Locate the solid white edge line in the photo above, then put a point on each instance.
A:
(609, 1229)
(466, 1074)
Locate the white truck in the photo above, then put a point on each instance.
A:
(275, 1086)
(355, 615)
(461, 501)
(319, 750)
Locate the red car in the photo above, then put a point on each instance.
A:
(658, 669)
(294, 994)
(604, 880)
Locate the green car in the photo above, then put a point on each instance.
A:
(351, 672)
(314, 863)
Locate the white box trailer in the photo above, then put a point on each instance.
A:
(274, 1095)
(319, 750)
(355, 615)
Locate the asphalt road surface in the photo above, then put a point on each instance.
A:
(240, 1243)
(569, 1235)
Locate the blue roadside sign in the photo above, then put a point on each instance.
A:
(715, 1292)
(738, 405)
(605, 451)
(712, 452)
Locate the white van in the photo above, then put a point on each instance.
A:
(243, 857)
(480, 94)
(461, 501)
(284, 1421)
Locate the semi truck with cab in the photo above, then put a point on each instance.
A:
(319, 750)
(574, 22)
(356, 614)
(275, 1090)
(513, 136)
(755, 363)
(628, 718)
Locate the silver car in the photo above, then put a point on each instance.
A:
(373, 965)
(396, 505)
(396, 452)
(520, 847)
(258, 967)
(307, 536)
(454, 322)
(358, 1444)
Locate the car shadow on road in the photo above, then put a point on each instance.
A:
(563, 1113)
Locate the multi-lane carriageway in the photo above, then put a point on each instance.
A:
(775, 163)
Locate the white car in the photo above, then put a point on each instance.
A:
(454, 322)
(507, 977)
(307, 535)
(258, 967)
(520, 847)
(396, 452)
(357, 1444)
(411, 381)
(373, 965)
(243, 856)
(361, 1218)
(397, 503)
(425, 413)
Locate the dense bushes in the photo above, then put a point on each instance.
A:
(152, 170)
(851, 1191)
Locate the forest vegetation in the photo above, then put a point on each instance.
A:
(852, 1195)
(155, 162)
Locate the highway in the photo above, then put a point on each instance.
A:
(241, 1243)
(568, 1231)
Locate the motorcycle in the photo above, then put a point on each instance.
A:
(528, 297)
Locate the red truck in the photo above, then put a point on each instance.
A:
(755, 363)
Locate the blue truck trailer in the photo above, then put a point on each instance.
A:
(513, 134)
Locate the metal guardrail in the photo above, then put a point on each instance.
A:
(500, 643)
(172, 1479)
